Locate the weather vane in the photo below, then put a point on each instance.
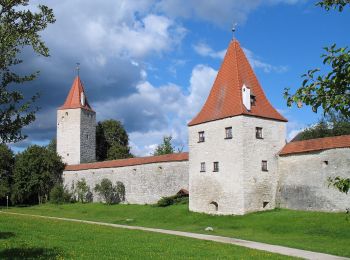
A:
(234, 27)
(77, 68)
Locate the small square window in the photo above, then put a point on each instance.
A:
(202, 166)
(216, 167)
(201, 137)
(258, 132)
(228, 132)
(264, 166)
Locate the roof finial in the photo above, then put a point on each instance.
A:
(234, 27)
(77, 68)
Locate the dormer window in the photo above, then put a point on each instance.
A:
(246, 97)
(201, 137)
(252, 100)
(82, 99)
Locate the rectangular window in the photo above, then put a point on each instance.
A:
(228, 132)
(201, 137)
(259, 133)
(264, 166)
(252, 100)
(202, 166)
(216, 167)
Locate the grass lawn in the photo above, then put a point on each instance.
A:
(314, 231)
(24, 237)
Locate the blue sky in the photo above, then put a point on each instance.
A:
(151, 63)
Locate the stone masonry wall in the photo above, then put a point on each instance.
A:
(224, 187)
(144, 184)
(68, 135)
(303, 180)
(87, 136)
(260, 186)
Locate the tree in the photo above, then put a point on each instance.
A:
(52, 146)
(107, 191)
(330, 91)
(19, 28)
(166, 147)
(83, 191)
(6, 168)
(112, 141)
(335, 4)
(36, 171)
(333, 124)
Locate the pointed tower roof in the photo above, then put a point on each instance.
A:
(225, 98)
(76, 97)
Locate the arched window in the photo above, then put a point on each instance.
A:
(214, 205)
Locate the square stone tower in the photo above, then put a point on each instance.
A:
(76, 127)
(233, 143)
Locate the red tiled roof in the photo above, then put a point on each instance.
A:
(73, 99)
(318, 144)
(225, 98)
(175, 157)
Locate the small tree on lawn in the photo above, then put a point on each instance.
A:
(83, 191)
(106, 190)
(120, 191)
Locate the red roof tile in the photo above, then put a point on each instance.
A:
(318, 144)
(74, 97)
(175, 157)
(225, 98)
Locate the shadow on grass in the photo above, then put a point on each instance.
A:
(6, 235)
(29, 253)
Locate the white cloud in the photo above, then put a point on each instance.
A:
(206, 51)
(153, 112)
(259, 64)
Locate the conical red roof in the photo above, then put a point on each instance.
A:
(76, 97)
(225, 98)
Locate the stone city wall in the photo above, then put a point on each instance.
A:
(144, 184)
(303, 180)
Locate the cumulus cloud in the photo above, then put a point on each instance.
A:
(206, 51)
(255, 62)
(114, 41)
(153, 112)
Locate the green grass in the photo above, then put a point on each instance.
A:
(314, 231)
(23, 237)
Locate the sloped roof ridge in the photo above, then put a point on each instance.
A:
(317, 144)
(175, 157)
(73, 99)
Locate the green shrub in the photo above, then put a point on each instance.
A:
(83, 191)
(111, 194)
(59, 194)
(176, 199)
